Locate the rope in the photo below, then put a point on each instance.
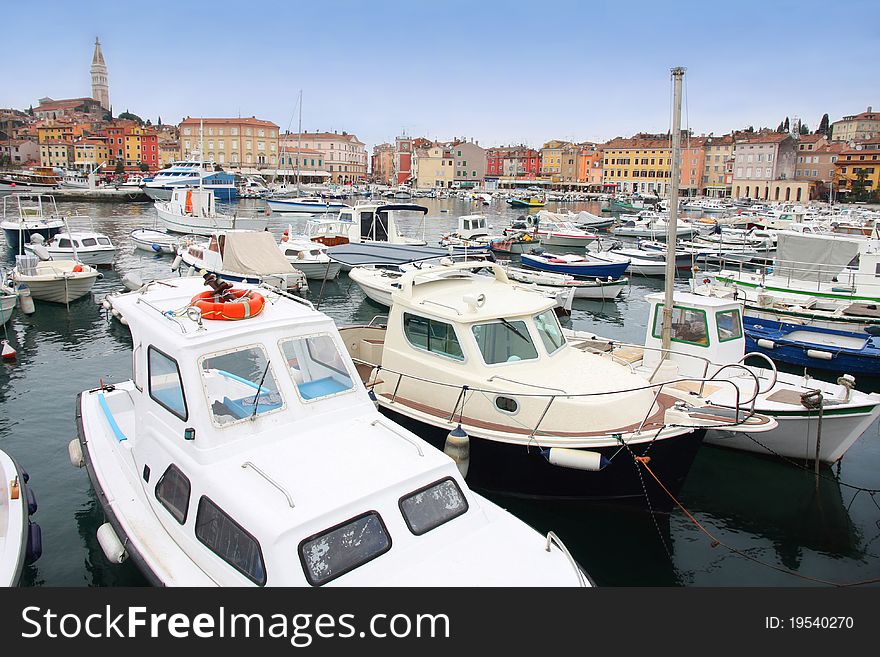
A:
(643, 461)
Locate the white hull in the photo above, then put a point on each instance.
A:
(208, 225)
(552, 239)
(13, 524)
(101, 257)
(7, 305)
(59, 290)
(318, 270)
(154, 241)
(281, 206)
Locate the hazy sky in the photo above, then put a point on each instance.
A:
(501, 72)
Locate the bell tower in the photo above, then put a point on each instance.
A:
(100, 87)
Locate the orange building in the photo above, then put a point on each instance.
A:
(693, 158)
(590, 166)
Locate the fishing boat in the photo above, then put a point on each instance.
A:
(29, 214)
(304, 205)
(709, 341)
(21, 540)
(402, 192)
(241, 256)
(527, 202)
(585, 266)
(248, 453)
(515, 242)
(551, 231)
(193, 211)
(472, 232)
(154, 240)
(542, 420)
(598, 288)
(57, 281)
(365, 222)
(308, 257)
(379, 283)
(810, 346)
(36, 179)
(82, 245)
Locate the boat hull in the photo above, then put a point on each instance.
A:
(221, 193)
(514, 471)
(17, 237)
(318, 270)
(590, 270)
(187, 225)
(59, 291)
(7, 306)
(281, 206)
(554, 239)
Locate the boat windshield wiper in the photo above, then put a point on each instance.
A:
(256, 401)
(513, 328)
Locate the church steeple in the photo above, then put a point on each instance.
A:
(100, 85)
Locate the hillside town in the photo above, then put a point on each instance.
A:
(838, 159)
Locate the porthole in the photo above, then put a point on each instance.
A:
(506, 404)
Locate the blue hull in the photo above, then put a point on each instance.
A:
(12, 236)
(614, 271)
(842, 360)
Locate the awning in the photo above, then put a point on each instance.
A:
(291, 173)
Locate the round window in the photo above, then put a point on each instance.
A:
(506, 404)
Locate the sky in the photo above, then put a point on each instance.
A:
(498, 72)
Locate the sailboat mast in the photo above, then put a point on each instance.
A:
(672, 226)
(299, 132)
(201, 150)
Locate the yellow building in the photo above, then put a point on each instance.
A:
(435, 167)
(90, 153)
(56, 154)
(641, 164)
(551, 159)
(863, 159)
(718, 165)
(243, 143)
(132, 144)
(857, 126)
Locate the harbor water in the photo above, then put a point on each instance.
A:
(744, 520)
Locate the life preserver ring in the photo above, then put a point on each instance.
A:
(247, 304)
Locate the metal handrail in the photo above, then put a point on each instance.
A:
(248, 464)
(553, 538)
(402, 435)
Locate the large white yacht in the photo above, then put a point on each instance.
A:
(248, 453)
(190, 173)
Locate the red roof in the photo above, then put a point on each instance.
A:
(242, 121)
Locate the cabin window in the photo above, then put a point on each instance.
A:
(432, 335)
(688, 325)
(172, 491)
(166, 388)
(89, 241)
(504, 342)
(316, 366)
(229, 541)
(342, 548)
(729, 325)
(549, 330)
(63, 244)
(103, 241)
(433, 505)
(506, 404)
(239, 385)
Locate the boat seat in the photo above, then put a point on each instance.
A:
(321, 388)
(244, 407)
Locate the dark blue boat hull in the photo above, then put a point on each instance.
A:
(611, 270)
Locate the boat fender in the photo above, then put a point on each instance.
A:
(75, 453)
(112, 547)
(132, 281)
(156, 247)
(105, 304)
(766, 344)
(31, 501)
(25, 300)
(77, 269)
(7, 351)
(34, 549)
(820, 355)
(578, 459)
(175, 264)
(458, 448)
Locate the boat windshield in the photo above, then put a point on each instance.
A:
(239, 385)
(549, 330)
(316, 366)
(504, 342)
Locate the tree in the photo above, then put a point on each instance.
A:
(787, 126)
(804, 129)
(159, 122)
(31, 110)
(131, 117)
(823, 128)
(120, 167)
(780, 127)
(144, 166)
(858, 188)
(148, 123)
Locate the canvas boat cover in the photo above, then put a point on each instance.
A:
(352, 255)
(813, 257)
(254, 253)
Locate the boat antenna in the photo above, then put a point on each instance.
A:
(672, 226)
(259, 390)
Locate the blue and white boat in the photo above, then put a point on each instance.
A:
(810, 346)
(585, 266)
(29, 214)
(189, 173)
(305, 205)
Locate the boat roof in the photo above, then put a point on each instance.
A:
(455, 293)
(389, 207)
(697, 300)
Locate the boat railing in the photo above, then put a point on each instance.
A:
(742, 411)
(553, 539)
(848, 280)
(287, 295)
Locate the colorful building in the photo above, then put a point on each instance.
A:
(434, 166)
(90, 153)
(856, 126)
(382, 164)
(470, 162)
(551, 159)
(717, 176)
(590, 164)
(246, 144)
(640, 164)
(864, 159)
(764, 168)
(344, 155)
(693, 157)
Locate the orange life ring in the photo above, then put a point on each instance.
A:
(248, 303)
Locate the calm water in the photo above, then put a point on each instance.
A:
(769, 510)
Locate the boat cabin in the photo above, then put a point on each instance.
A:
(193, 202)
(366, 222)
(472, 225)
(703, 328)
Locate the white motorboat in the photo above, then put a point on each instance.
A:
(641, 263)
(552, 232)
(651, 225)
(8, 301)
(21, 541)
(403, 192)
(29, 214)
(190, 174)
(58, 281)
(85, 246)
(544, 419)
(304, 205)
(598, 288)
(193, 211)
(708, 341)
(308, 257)
(239, 256)
(248, 453)
(472, 232)
(365, 223)
(154, 240)
(380, 282)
